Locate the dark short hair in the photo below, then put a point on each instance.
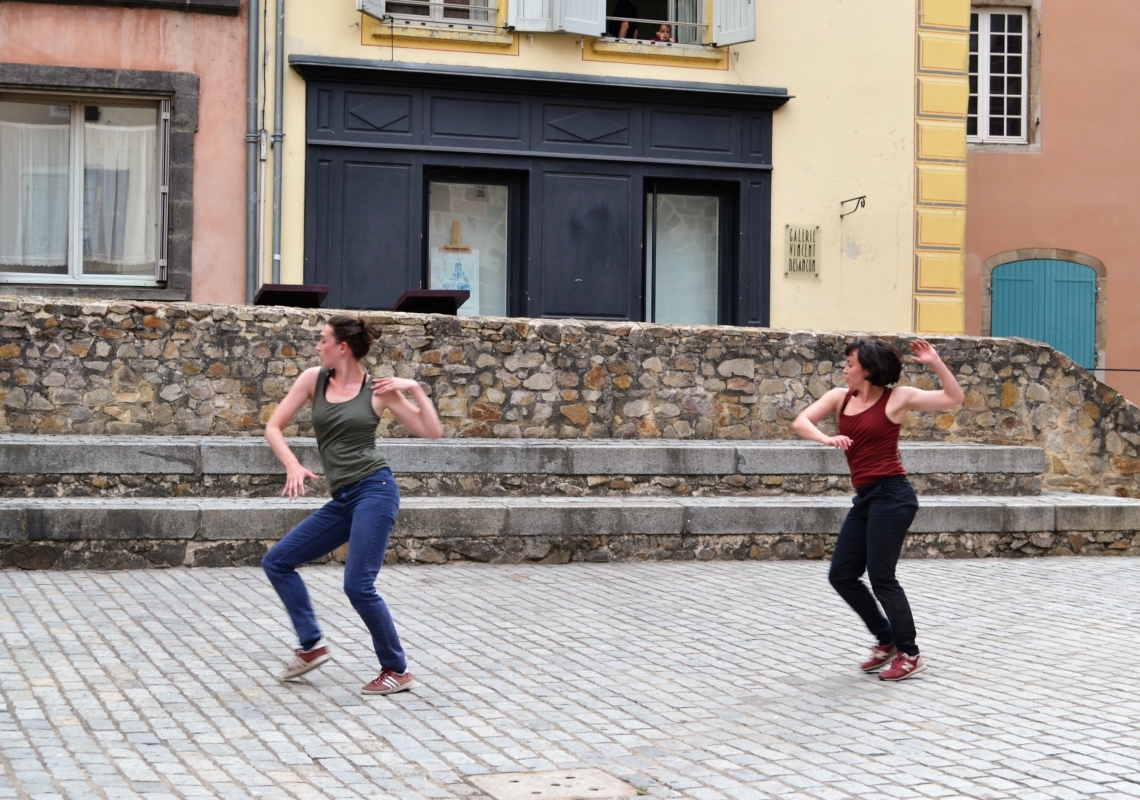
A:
(354, 332)
(881, 360)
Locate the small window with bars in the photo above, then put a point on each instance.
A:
(999, 69)
(446, 13)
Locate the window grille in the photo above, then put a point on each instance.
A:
(446, 13)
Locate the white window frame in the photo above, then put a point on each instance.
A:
(75, 275)
(379, 9)
(981, 77)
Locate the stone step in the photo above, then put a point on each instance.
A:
(574, 466)
(135, 532)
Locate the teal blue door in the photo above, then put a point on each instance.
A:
(1050, 301)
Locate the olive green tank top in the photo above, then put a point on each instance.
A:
(346, 434)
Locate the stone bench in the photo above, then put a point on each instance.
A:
(245, 466)
(127, 532)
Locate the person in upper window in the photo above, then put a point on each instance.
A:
(622, 28)
(664, 33)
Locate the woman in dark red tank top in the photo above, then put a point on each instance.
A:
(870, 416)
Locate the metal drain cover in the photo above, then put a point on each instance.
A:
(566, 784)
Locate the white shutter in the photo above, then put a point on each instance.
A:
(530, 15)
(373, 8)
(587, 17)
(734, 21)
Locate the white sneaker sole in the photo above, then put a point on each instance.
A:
(292, 675)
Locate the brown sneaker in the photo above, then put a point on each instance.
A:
(389, 682)
(305, 661)
(881, 655)
(903, 667)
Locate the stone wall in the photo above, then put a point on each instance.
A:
(134, 367)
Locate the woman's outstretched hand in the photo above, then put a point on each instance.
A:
(839, 442)
(295, 476)
(923, 352)
(386, 385)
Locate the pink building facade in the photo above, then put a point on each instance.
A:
(122, 149)
(1054, 181)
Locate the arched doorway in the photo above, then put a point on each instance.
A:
(1050, 300)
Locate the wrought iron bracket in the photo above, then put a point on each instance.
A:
(860, 202)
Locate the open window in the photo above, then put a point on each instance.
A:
(682, 21)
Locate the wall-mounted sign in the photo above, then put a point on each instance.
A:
(802, 255)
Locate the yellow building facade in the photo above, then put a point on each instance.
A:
(850, 212)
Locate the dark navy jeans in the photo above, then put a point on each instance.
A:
(871, 541)
(362, 514)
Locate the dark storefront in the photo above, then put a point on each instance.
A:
(546, 195)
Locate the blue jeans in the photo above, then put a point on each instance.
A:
(871, 541)
(362, 514)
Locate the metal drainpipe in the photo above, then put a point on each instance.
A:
(251, 141)
(278, 136)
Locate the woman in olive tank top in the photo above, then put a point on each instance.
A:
(347, 404)
(870, 416)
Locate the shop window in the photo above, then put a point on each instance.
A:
(82, 190)
(441, 13)
(684, 264)
(469, 242)
(999, 76)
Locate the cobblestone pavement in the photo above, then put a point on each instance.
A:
(711, 680)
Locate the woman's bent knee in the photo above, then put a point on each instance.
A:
(358, 594)
(274, 562)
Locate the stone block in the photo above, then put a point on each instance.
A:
(593, 517)
(733, 516)
(971, 458)
(451, 518)
(225, 519)
(237, 455)
(11, 523)
(1102, 516)
(475, 455)
(970, 515)
(50, 455)
(782, 458)
(78, 520)
(1028, 516)
(637, 458)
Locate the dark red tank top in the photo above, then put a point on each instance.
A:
(874, 450)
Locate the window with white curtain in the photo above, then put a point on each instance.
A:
(82, 190)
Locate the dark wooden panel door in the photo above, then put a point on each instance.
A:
(362, 215)
(589, 246)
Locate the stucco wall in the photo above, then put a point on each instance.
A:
(134, 368)
(1078, 190)
(849, 131)
(209, 45)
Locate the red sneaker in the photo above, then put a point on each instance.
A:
(903, 667)
(389, 682)
(881, 655)
(305, 661)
